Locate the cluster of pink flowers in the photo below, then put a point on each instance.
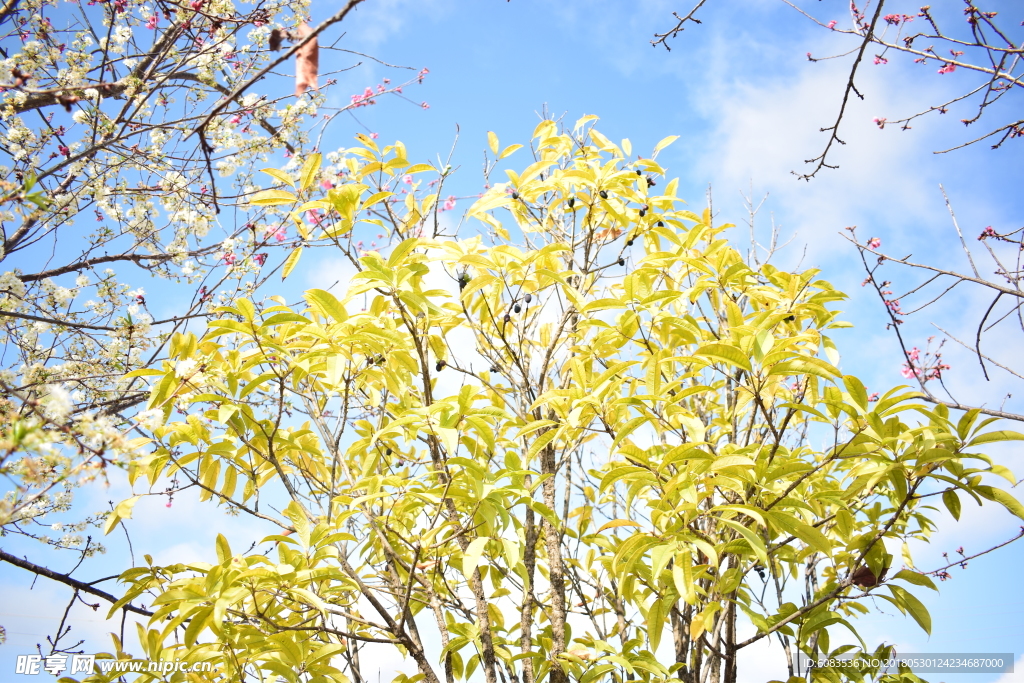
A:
(926, 369)
(423, 72)
(279, 233)
(948, 69)
(880, 122)
(879, 59)
(987, 232)
(152, 21)
(875, 242)
(832, 24)
(364, 100)
(897, 19)
(449, 203)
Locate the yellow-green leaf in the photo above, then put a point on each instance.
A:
(291, 262)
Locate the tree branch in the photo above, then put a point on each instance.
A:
(69, 581)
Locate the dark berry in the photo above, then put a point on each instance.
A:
(571, 202)
(791, 318)
(650, 182)
(517, 308)
(389, 451)
(622, 261)
(507, 317)
(440, 364)
(661, 224)
(604, 195)
(495, 368)
(515, 195)
(528, 298)
(638, 172)
(643, 212)
(629, 243)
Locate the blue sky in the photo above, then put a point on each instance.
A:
(747, 105)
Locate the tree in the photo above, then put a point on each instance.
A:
(987, 49)
(145, 116)
(534, 451)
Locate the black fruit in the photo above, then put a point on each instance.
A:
(622, 261)
(495, 368)
(572, 202)
(528, 298)
(661, 224)
(629, 243)
(604, 195)
(638, 172)
(643, 212)
(517, 308)
(515, 195)
(650, 182)
(440, 364)
(389, 451)
(507, 317)
(791, 318)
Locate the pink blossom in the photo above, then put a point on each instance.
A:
(235, 119)
(423, 72)
(878, 122)
(327, 184)
(229, 258)
(832, 24)
(279, 233)
(875, 242)
(987, 232)
(873, 397)
(425, 105)
(407, 179)
(152, 21)
(260, 258)
(948, 69)
(374, 136)
(449, 203)
(879, 59)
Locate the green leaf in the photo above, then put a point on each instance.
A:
(916, 578)
(999, 435)
(805, 366)
(911, 604)
(805, 532)
(309, 170)
(952, 502)
(726, 354)
(327, 304)
(665, 142)
(223, 549)
(291, 262)
(472, 556)
(273, 198)
(279, 176)
(1003, 498)
(122, 511)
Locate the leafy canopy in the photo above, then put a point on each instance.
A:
(532, 452)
